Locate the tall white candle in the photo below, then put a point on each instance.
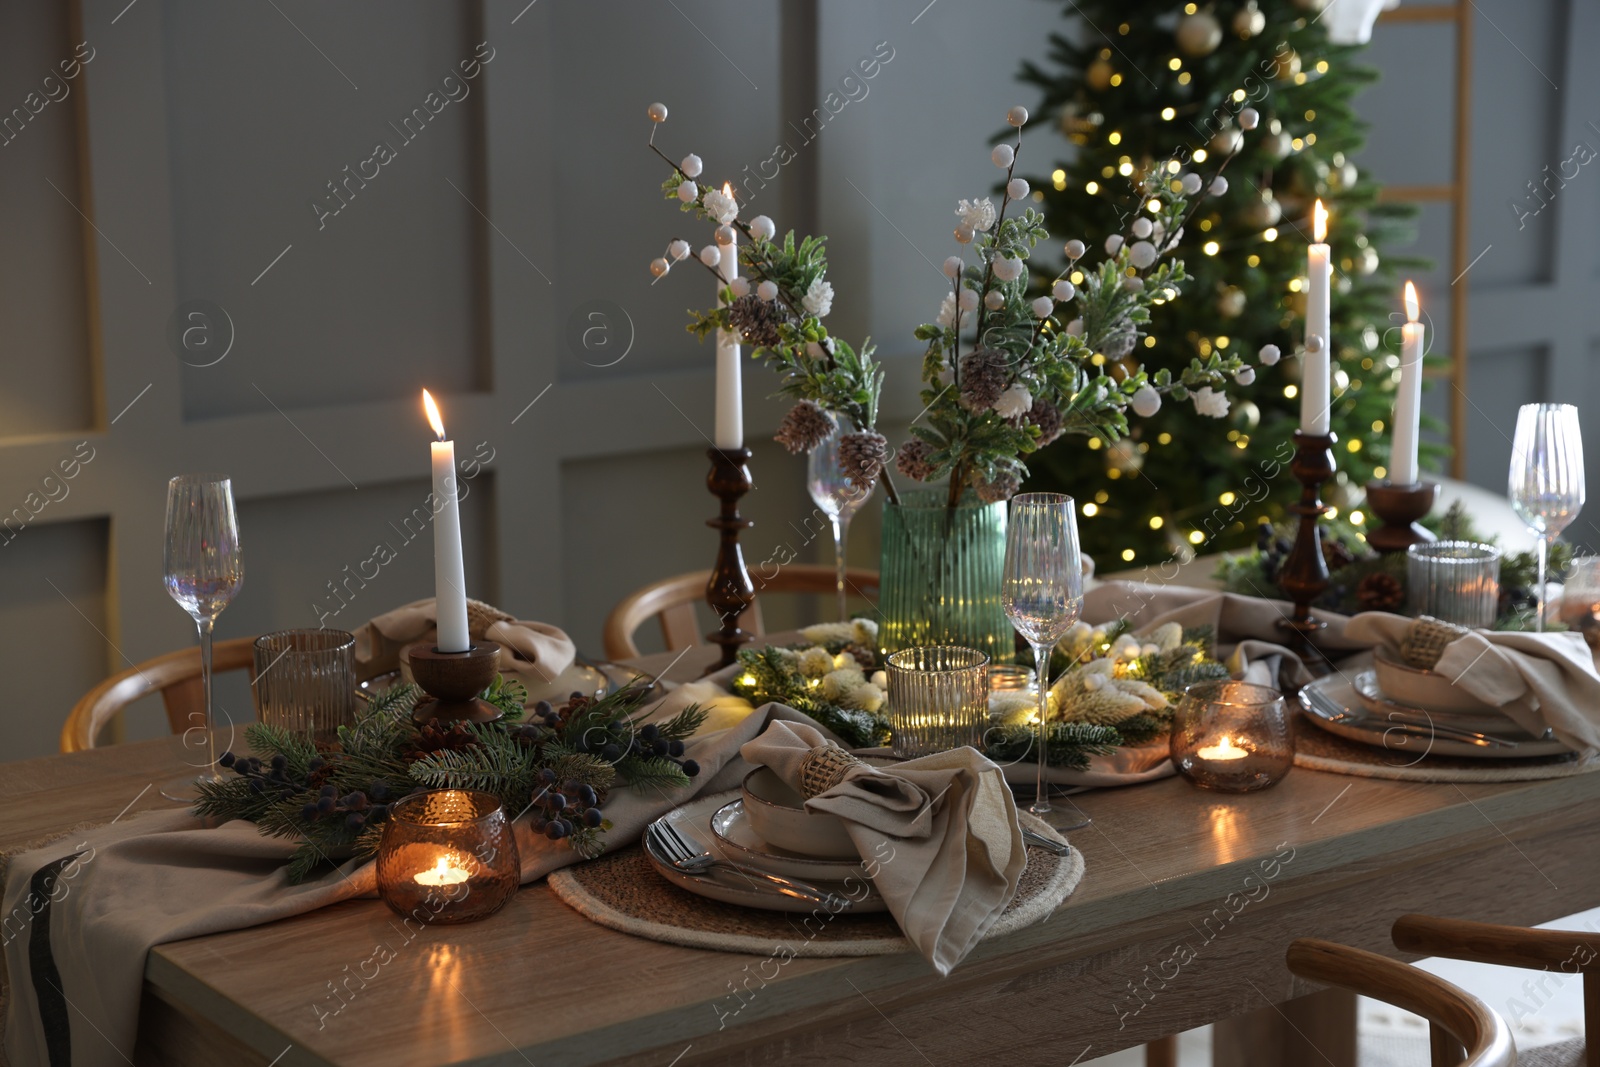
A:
(1314, 377)
(449, 570)
(1408, 398)
(729, 431)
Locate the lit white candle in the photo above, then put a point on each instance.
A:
(729, 430)
(449, 571)
(1223, 750)
(1408, 398)
(442, 873)
(1314, 376)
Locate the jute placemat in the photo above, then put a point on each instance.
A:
(623, 891)
(1318, 750)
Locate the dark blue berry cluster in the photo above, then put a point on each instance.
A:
(564, 807)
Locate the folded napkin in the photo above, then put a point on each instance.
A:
(955, 851)
(532, 652)
(1540, 681)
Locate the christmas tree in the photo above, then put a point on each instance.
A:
(1149, 82)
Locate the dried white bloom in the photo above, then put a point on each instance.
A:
(818, 300)
(1210, 403)
(815, 662)
(976, 215)
(1015, 402)
(720, 206)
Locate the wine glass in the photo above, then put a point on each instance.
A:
(1546, 482)
(203, 572)
(1042, 589)
(838, 498)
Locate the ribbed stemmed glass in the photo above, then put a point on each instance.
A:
(1042, 589)
(838, 498)
(1546, 482)
(203, 572)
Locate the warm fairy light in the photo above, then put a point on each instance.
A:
(1127, 555)
(1380, 472)
(1413, 309)
(433, 414)
(1211, 248)
(1196, 537)
(1199, 155)
(1270, 233)
(1156, 522)
(1291, 391)
(1168, 113)
(1319, 222)
(747, 679)
(1114, 138)
(1227, 498)
(1174, 64)
(1091, 509)
(1091, 188)
(1155, 207)
(1357, 518)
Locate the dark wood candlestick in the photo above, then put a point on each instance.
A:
(730, 591)
(453, 680)
(1400, 506)
(1303, 575)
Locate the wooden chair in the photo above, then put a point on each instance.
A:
(176, 676)
(1462, 1029)
(672, 602)
(1559, 951)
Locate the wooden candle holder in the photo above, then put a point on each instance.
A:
(1303, 575)
(730, 591)
(453, 680)
(1400, 506)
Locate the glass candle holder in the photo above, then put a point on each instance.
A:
(448, 856)
(1454, 581)
(1580, 594)
(306, 681)
(1010, 678)
(1232, 736)
(938, 699)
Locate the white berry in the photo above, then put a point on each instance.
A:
(968, 300)
(1017, 188)
(1191, 184)
(1075, 249)
(1142, 254)
(1113, 244)
(1219, 185)
(691, 166)
(740, 287)
(1244, 375)
(1075, 327)
(1314, 343)
(1146, 401)
(657, 112)
(1002, 156)
(659, 266)
(1017, 116)
(952, 267)
(1248, 118)
(1268, 355)
(725, 235)
(1133, 284)
(1006, 268)
(1063, 290)
(711, 255)
(767, 291)
(688, 192)
(994, 300)
(964, 234)
(678, 249)
(1042, 306)
(762, 228)
(1142, 227)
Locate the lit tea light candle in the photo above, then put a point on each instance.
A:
(1225, 750)
(442, 873)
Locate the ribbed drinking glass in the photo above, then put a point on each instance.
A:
(1546, 481)
(306, 681)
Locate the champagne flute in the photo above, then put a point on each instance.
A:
(203, 571)
(838, 498)
(1546, 482)
(1042, 589)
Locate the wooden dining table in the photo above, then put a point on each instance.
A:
(1188, 903)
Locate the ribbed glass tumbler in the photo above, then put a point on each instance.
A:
(306, 681)
(1454, 581)
(938, 699)
(940, 575)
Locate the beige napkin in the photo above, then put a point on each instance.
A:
(532, 652)
(1539, 680)
(942, 831)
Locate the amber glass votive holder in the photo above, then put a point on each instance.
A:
(447, 856)
(1232, 737)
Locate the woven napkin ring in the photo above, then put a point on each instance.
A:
(1425, 641)
(823, 768)
(481, 616)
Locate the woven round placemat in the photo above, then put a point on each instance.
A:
(1319, 750)
(623, 891)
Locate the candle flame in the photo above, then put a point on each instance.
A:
(1413, 308)
(433, 417)
(727, 190)
(1319, 222)
(441, 869)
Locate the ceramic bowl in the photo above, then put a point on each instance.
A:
(1418, 688)
(777, 813)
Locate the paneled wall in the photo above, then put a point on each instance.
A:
(352, 216)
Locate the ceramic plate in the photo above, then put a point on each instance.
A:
(1367, 690)
(1373, 730)
(693, 821)
(736, 837)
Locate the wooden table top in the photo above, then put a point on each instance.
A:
(1188, 903)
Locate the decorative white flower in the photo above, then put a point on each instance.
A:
(866, 697)
(767, 291)
(815, 662)
(1146, 401)
(818, 300)
(1006, 268)
(690, 166)
(1042, 306)
(835, 684)
(1063, 290)
(688, 191)
(1014, 403)
(1210, 403)
(720, 206)
(762, 228)
(864, 632)
(1245, 375)
(1268, 355)
(1142, 254)
(977, 215)
(947, 312)
(827, 633)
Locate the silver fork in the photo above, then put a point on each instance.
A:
(1402, 723)
(683, 855)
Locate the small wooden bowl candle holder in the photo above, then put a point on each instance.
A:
(454, 680)
(1400, 506)
(730, 591)
(1303, 575)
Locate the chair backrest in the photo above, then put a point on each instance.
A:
(176, 676)
(1559, 951)
(672, 600)
(1462, 1029)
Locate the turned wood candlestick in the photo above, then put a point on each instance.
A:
(453, 680)
(1400, 506)
(730, 591)
(1303, 575)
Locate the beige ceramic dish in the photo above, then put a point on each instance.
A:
(777, 814)
(1417, 688)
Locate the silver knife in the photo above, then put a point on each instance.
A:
(1327, 708)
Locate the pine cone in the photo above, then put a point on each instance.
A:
(1002, 486)
(758, 320)
(1337, 555)
(1045, 416)
(983, 379)
(862, 456)
(804, 428)
(1380, 592)
(436, 736)
(912, 460)
(1119, 340)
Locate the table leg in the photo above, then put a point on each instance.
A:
(1319, 1028)
(1162, 1052)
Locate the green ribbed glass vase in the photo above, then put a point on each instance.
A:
(940, 575)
